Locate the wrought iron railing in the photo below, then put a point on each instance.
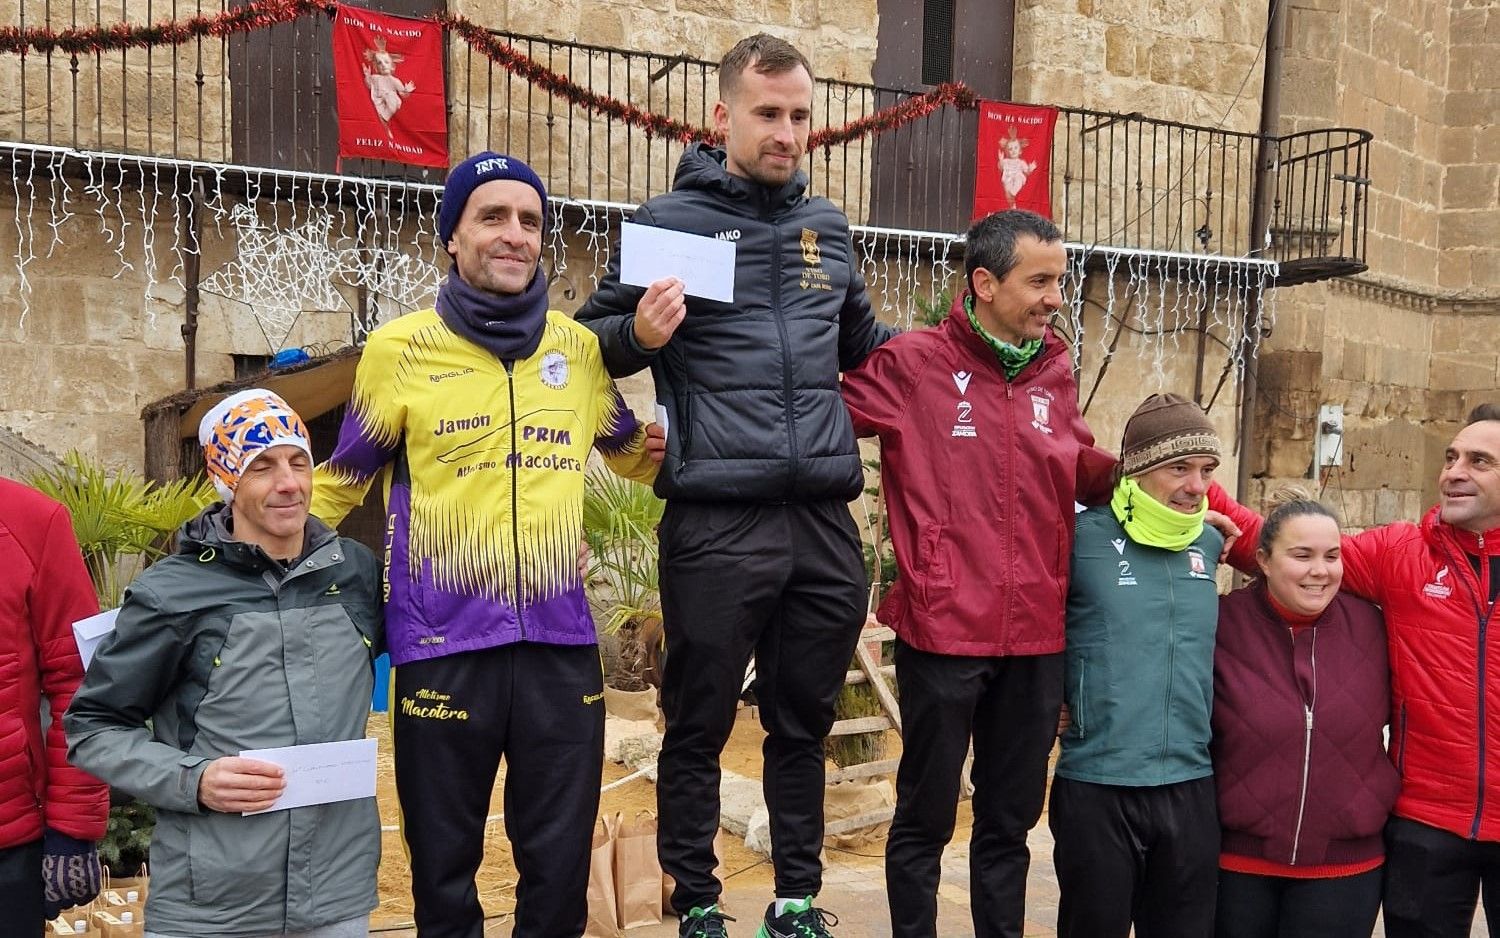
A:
(1118, 180)
(1320, 216)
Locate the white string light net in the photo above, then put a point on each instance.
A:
(299, 243)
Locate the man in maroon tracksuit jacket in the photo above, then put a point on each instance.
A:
(983, 452)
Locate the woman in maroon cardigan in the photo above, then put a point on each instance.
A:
(1301, 693)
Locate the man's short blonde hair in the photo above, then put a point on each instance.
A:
(763, 52)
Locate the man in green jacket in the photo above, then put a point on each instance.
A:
(257, 634)
(1133, 810)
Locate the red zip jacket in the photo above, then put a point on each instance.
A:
(44, 589)
(980, 475)
(1445, 667)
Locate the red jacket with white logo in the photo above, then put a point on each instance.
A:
(1445, 666)
(980, 475)
(44, 589)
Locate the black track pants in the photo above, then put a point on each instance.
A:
(1280, 907)
(1009, 707)
(1433, 881)
(1144, 855)
(539, 706)
(786, 584)
(21, 885)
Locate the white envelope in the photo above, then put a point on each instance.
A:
(321, 773)
(704, 265)
(88, 633)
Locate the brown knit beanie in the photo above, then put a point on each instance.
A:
(1165, 428)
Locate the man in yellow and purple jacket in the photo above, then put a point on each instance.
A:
(481, 413)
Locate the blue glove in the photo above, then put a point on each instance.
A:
(70, 872)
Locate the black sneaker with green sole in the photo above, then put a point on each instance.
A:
(800, 920)
(704, 923)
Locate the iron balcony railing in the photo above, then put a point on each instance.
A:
(265, 99)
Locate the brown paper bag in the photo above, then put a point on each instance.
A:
(603, 918)
(111, 925)
(66, 926)
(139, 883)
(637, 872)
(118, 900)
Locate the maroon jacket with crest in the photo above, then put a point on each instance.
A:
(1299, 758)
(980, 474)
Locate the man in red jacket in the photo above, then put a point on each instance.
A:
(983, 452)
(1438, 583)
(50, 812)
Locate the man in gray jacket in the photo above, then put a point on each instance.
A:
(258, 633)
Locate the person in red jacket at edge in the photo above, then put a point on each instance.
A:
(1301, 694)
(51, 814)
(970, 414)
(1437, 582)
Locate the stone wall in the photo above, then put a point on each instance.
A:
(1412, 344)
(1469, 147)
(89, 342)
(161, 100)
(838, 36)
(1183, 60)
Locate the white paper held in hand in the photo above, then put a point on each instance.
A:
(321, 773)
(88, 633)
(704, 265)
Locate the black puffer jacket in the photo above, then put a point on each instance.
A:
(751, 388)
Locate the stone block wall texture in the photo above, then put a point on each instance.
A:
(1182, 60)
(161, 100)
(1410, 346)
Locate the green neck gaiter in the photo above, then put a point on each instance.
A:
(1012, 358)
(1149, 522)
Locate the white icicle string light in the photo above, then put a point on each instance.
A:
(58, 210)
(309, 240)
(1073, 298)
(148, 237)
(179, 249)
(23, 253)
(119, 242)
(1111, 265)
(557, 241)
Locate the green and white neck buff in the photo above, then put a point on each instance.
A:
(1012, 357)
(1147, 521)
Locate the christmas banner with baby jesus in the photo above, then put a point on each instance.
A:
(1013, 167)
(388, 71)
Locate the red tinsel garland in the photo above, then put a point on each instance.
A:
(78, 40)
(507, 57)
(914, 108)
(263, 13)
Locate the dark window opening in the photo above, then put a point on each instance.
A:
(937, 41)
(249, 366)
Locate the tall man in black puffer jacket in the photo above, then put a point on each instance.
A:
(759, 554)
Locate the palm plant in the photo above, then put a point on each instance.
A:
(619, 521)
(122, 521)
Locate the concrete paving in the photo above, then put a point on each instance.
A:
(854, 890)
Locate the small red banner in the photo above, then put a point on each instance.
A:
(1013, 166)
(389, 74)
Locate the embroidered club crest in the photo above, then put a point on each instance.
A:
(554, 370)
